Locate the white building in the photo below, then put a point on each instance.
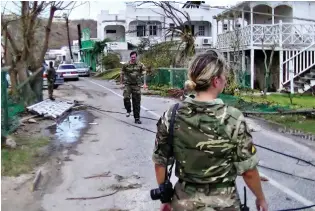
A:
(286, 27)
(274, 21)
(130, 25)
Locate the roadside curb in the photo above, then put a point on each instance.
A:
(286, 130)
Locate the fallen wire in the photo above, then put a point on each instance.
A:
(117, 112)
(308, 162)
(95, 197)
(283, 172)
(299, 208)
(284, 154)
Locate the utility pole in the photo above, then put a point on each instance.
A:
(68, 34)
(79, 38)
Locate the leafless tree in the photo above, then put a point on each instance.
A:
(29, 43)
(266, 64)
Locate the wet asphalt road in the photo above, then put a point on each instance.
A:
(125, 150)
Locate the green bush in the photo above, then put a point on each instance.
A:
(111, 61)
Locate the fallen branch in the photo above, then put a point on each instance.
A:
(95, 197)
(105, 174)
(35, 181)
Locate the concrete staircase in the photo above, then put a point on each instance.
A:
(299, 66)
(305, 83)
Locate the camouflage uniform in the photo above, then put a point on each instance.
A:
(211, 146)
(51, 74)
(132, 80)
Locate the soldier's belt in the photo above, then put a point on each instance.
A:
(207, 186)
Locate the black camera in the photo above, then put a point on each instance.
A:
(164, 192)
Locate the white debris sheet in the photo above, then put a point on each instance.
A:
(50, 108)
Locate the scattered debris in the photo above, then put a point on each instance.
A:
(36, 180)
(264, 179)
(95, 140)
(93, 123)
(32, 121)
(120, 187)
(95, 197)
(79, 107)
(10, 142)
(118, 149)
(120, 178)
(50, 108)
(105, 174)
(24, 119)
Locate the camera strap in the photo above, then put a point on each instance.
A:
(170, 137)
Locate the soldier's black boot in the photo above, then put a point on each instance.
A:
(51, 98)
(137, 121)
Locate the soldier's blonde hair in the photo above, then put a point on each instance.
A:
(203, 68)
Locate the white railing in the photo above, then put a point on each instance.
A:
(297, 62)
(281, 34)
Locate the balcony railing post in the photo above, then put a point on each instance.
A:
(280, 55)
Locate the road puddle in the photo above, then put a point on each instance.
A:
(69, 129)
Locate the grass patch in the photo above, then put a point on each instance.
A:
(111, 74)
(299, 101)
(297, 122)
(23, 158)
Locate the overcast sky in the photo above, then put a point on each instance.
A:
(93, 8)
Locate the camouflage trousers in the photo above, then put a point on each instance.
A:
(50, 89)
(196, 199)
(135, 92)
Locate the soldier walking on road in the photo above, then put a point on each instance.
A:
(51, 75)
(211, 145)
(131, 74)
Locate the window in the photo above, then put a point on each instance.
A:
(201, 31)
(152, 30)
(80, 65)
(238, 25)
(65, 67)
(140, 31)
(225, 27)
(110, 31)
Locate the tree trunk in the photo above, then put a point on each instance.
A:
(26, 91)
(13, 79)
(37, 85)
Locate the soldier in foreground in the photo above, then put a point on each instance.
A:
(211, 145)
(131, 74)
(51, 76)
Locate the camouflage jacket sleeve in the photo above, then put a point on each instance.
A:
(246, 157)
(143, 68)
(162, 148)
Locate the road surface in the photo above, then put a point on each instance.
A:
(111, 145)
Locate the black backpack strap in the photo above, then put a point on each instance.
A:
(170, 140)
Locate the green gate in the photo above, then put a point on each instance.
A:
(11, 107)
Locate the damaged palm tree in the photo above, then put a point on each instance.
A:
(28, 34)
(182, 27)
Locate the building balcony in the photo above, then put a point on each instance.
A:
(282, 35)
